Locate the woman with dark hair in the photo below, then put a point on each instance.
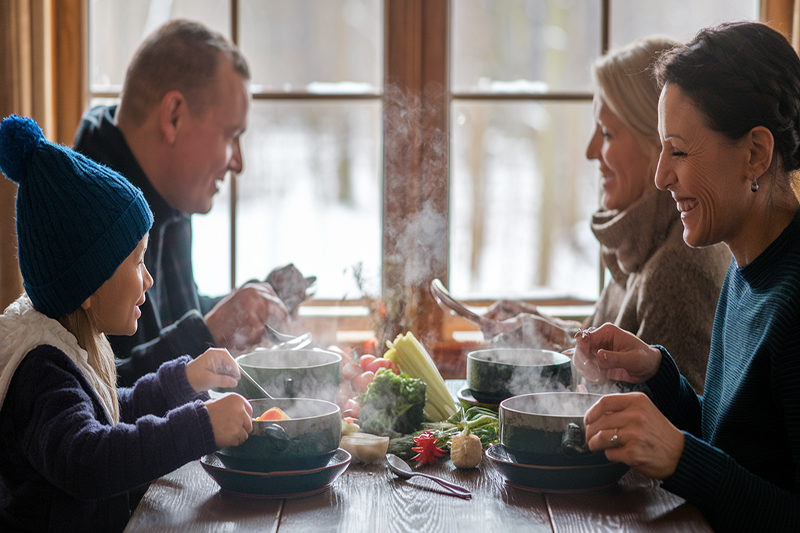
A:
(729, 122)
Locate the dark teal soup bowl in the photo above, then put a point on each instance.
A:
(547, 428)
(495, 374)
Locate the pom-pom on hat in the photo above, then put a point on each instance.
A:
(77, 220)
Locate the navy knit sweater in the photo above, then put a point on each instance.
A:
(64, 467)
(741, 461)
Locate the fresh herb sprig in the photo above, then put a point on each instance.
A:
(479, 421)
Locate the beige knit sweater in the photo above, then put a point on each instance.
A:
(661, 289)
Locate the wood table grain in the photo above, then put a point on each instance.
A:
(368, 498)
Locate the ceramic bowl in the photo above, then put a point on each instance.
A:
(495, 374)
(310, 373)
(308, 440)
(547, 428)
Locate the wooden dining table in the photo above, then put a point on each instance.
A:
(369, 498)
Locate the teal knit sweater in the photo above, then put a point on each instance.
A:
(741, 461)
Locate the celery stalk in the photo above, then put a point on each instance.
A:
(413, 359)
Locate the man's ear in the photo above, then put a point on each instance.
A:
(173, 109)
(761, 145)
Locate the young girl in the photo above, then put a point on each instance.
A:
(71, 443)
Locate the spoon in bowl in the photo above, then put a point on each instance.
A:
(254, 382)
(401, 469)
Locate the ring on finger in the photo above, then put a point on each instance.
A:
(615, 439)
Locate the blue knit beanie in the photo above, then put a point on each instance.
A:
(77, 221)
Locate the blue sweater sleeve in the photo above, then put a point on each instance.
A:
(65, 437)
(731, 497)
(158, 392)
(675, 397)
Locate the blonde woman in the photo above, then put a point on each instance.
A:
(662, 290)
(72, 443)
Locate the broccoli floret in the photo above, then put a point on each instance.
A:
(393, 405)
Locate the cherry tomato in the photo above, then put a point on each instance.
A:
(337, 350)
(351, 409)
(379, 363)
(362, 382)
(341, 399)
(370, 345)
(365, 359)
(351, 370)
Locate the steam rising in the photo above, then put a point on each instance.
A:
(295, 373)
(570, 404)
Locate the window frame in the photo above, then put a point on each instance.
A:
(416, 37)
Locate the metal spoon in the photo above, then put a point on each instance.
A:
(488, 326)
(254, 382)
(287, 342)
(277, 335)
(401, 469)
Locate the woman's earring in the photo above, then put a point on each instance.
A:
(754, 185)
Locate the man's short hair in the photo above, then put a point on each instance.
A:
(183, 56)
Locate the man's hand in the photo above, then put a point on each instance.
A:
(237, 321)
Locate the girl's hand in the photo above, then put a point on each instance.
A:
(213, 368)
(645, 440)
(232, 419)
(609, 353)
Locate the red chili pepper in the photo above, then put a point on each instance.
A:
(427, 451)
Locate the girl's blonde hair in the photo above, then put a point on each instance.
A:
(625, 80)
(81, 323)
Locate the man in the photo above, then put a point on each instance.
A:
(175, 135)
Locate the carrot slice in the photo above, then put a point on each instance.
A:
(273, 413)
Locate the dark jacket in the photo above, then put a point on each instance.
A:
(172, 317)
(66, 468)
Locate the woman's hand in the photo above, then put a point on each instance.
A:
(213, 368)
(609, 353)
(645, 440)
(232, 419)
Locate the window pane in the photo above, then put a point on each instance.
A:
(308, 44)
(522, 194)
(523, 45)
(310, 194)
(116, 27)
(680, 19)
(211, 245)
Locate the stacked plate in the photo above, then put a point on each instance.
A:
(542, 444)
(547, 478)
(284, 458)
(277, 484)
